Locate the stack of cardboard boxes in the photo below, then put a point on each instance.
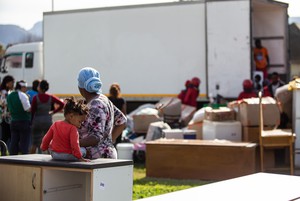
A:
(221, 124)
(248, 115)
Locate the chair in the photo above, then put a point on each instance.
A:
(276, 138)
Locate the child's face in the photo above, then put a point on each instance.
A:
(76, 119)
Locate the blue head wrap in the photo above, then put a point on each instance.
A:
(89, 79)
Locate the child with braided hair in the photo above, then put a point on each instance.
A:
(62, 139)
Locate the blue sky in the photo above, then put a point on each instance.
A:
(26, 13)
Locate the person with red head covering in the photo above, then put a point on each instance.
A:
(182, 94)
(248, 91)
(192, 93)
(196, 82)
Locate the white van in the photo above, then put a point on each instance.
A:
(23, 62)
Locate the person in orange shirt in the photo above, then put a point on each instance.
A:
(261, 58)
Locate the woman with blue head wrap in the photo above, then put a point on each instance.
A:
(89, 79)
(104, 122)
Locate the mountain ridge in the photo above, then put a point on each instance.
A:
(11, 34)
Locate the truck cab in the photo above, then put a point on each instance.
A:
(23, 61)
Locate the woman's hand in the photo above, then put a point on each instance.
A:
(89, 141)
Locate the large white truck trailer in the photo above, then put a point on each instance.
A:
(151, 50)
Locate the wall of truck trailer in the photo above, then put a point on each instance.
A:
(151, 50)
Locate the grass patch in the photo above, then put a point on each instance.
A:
(147, 187)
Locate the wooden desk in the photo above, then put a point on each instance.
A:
(36, 177)
(199, 159)
(259, 186)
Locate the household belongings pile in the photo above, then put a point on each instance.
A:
(221, 124)
(174, 113)
(177, 116)
(151, 120)
(139, 120)
(216, 123)
(168, 110)
(248, 115)
(174, 117)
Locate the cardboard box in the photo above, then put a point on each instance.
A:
(222, 130)
(173, 133)
(155, 130)
(221, 114)
(141, 122)
(187, 113)
(169, 106)
(251, 133)
(198, 128)
(249, 112)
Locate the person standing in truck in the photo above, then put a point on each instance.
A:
(276, 82)
(42, 111)
(261, 58)
(104, 122)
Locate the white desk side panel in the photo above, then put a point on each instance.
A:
(113, 184)
(296, 103)
(63, 185)
(296, 124)
(297, 143)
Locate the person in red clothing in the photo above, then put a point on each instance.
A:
(41, 113)
(266, 91)
(192, 93)
(182, 93)
(62, 139)
(248, 91)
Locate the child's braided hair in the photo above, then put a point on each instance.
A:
(75, 106)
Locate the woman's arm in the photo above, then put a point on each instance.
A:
(89, 141)
(117, 130)
(124, 108)
(120, 123)
(56, 100)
